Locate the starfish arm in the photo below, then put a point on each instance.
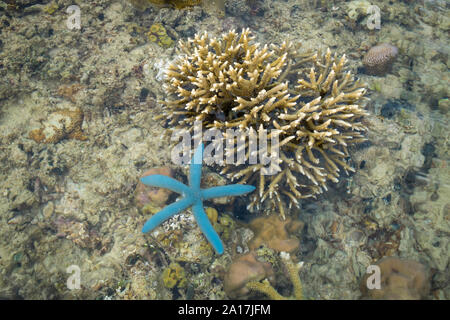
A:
(166, 213)
(195, 172)
(224, 191)
(159, 180)
(206, 227)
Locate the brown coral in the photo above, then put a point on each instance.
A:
(61, 124)
(292, 272)
(378, 60)
(275, 233)
(234, 83)
(244, 269)
(400, 280)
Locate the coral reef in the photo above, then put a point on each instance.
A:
(217, 5)
(292, 270)
(58, 200)
(275, 233)
(60, 124)
(379, 59)
(400, 280)
(232, 83)
(178, 4)
(244, 269)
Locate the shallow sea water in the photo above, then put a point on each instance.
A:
(82, 118)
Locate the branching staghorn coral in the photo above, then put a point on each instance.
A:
(219, 82)
(233, 83)
(326, 122)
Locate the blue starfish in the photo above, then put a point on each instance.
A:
(193, 196)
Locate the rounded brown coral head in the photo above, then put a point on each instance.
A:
(311, 101)
(243, 269)
(379, 59)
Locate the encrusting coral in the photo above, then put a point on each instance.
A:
(61, 124)
(232, 83)
(158, 34)
(174, 276)
(275, 233)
